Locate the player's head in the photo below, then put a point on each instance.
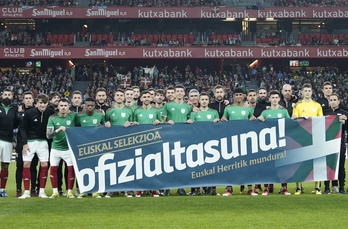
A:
(63, 106)
(42, 102)
(159, 96)
(274, 97)
(307, 91)
(238, 95)
(219, 93)
(90, 105)
(193, 96)
(204, 100)
(119, 96)
(170, 94)
(7, 96)
(136, 92)
(54, 98)
(152, 94)
(251, 96)
(262, 94)
(334, 101)
(145, 97)
(287, 91)
(76, 98)
(327, 89)
(28, 99)
(100, 95)
(129, 95)
(179, 92)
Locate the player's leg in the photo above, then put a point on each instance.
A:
(42, 154)
(54, 162)
(5, 158)
(27, 157)
(66, 156)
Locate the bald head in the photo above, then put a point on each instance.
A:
(287, 91)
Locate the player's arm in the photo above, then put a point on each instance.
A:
(158, 119)
(225, 115)
(216, 116)
(261, 117)
(23, 133)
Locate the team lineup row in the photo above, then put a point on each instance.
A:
(50, 116)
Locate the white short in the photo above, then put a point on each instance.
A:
(5, 151)
(57, 155)
(38, 147)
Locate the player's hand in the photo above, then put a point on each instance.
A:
(127, 124)
(261, 118)
(224, 119)
(195, 109)
(171, 122)
(156, 122)
(189, 121)
(107, 124)
(135, 123)
(216, 120)
(25, 149)
(62, 128)
(226, 102)
(20, 108)
(252, 118)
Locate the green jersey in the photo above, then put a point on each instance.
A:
(143, 116)
(237, 113)
(119, 116)
(95, 119)
(277, 113)
(204, 116)
(55, 121)
(176, 112)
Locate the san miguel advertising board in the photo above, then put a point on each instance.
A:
(169, 12)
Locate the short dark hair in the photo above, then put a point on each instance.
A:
(90, 99)
(335, 94)
(326, 83)
(238, 90)
(274, 92)
(100, 89)
(251, 90)
(64, 100)
(144, 92)
(159, 91)
(27, 93)
(170, 88)
(43, 97)
(54, 94)
(119, 90)
(218, 87)
(179, 86)
(77, 92)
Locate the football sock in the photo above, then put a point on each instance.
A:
(54, 177)
(3, 176)
(43, 177)
(26, 178)
(71, 177)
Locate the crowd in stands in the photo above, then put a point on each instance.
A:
(58, 79)
(307, 3)
(38, 3)
(204, 79)
(157, 3)
(200, 78)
